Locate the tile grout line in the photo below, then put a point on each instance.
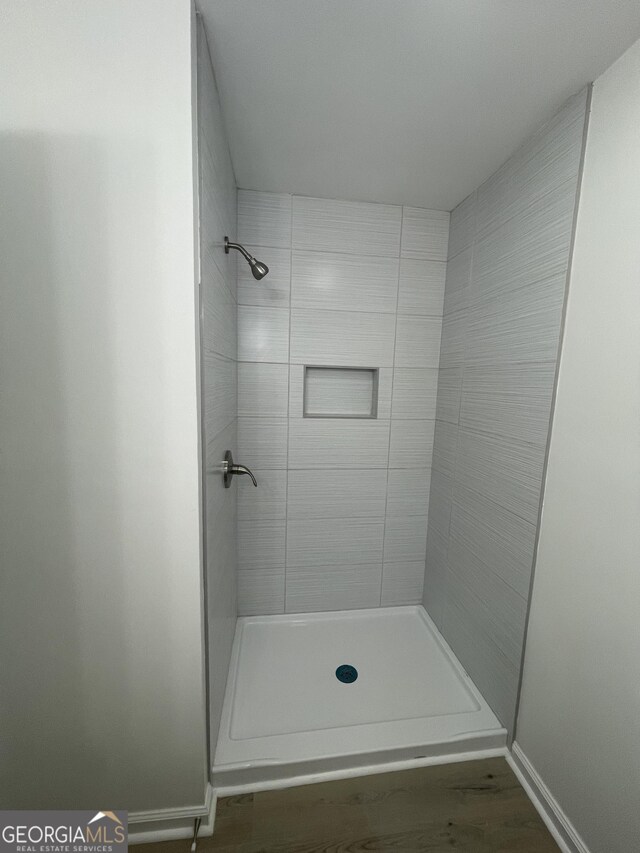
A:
(286, 502)
(382, 367)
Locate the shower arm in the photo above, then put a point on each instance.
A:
(258, 269)
(229, 245)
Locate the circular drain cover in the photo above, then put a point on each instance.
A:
(346, 673)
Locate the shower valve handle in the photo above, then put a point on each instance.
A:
(229, 469)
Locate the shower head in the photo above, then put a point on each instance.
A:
(258, 269)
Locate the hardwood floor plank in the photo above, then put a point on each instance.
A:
(469, 807)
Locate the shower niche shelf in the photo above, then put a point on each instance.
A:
(340, 392)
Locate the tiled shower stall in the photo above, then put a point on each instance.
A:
(390, 384)
(466, 380)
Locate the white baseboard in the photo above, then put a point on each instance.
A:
(558, 824)
(173, 824)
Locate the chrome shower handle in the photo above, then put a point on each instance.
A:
(240, 469)
(229, 469)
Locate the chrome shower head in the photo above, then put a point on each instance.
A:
(258, 269)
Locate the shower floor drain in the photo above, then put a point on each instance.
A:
(346, 673)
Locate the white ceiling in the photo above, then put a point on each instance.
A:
(399, 101)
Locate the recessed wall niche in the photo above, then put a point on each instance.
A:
(340, 392)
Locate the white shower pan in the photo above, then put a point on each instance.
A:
(287, 715)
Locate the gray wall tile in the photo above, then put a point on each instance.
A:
(458, 282)
(274, 290)
(264, 219)
(435, 576)
(216, 447)
(263, 390)
(334, 542)
(263, 334)
(335, 493)
(421, 287)
(508, 258)
(417, 341)
(425, 234)
(445, 448)
(261, 562)
(296, 391)
(436, 569)
(262, 442)
(261, 591)
(492, 199)
(268, 502)
(546, 159)
(513, 400)
(261, 544)
(440, 499)
(342, 338)
(339, 294)
(341, 443)
(402, 583)
(220, 393)
(220, 323)
(405, 539)
(465, 631)
(408, 491)
(504, 469)
(346, 226)
(449, 393)
(222, 550)
(318, 588)
(501, 610)
(553, 153)
(340, 282)
(411, 444)
(385, 387)
(519, 326)
(527, 249)
(219, 377)
(454, 339)
(493, 536)
(462, 225)
(414, 393)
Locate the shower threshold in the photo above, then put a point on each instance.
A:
(289, 713)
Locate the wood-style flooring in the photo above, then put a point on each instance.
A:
(470, 807)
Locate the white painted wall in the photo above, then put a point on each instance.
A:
(579, 721)
(100, 591)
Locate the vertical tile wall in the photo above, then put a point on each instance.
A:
(217, 192)
(339, 517)
(509, 252)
